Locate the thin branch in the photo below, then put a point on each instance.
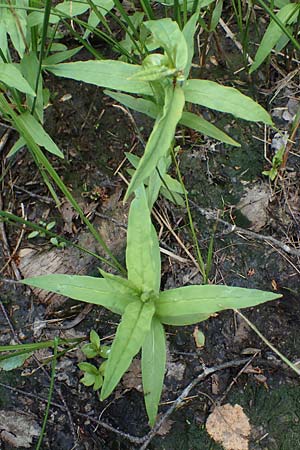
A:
(206, 372)
(213, 215)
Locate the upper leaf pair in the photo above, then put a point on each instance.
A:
(162, 78)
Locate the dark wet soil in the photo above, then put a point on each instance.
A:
(93, 134)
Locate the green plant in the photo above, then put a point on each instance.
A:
(93, 376)
(14, 355)
(47, 226)
(276, 164)
(279, 32)
(143, 307)
(162, 81)
(93, 348)
(43, 233)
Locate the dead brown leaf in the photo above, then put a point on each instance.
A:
(133, 377)
(68, 213)
(17, 430)
(165, 427)
(229, 426)
(215, 384)
(253, 206)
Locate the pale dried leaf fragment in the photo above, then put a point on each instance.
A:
(132, 379)
(17, 430)
(229, 426)
(253, 205)
(165, 427)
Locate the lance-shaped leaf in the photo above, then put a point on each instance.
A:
(154, 73)
(183, 319)
(153, 367)
(167, 34)
(131, 332)
(188, 119)
(100, 291)
(142, 252)
(188, 31)
(201, 125)
(38, 133)
(69, 9)
(206, 300)
(160, 138)
(61, 56)
(106, 73)
(119, 280)
(273, 33)
(10, 75)
(103, 6)
(159, 180)
(138, 104)
(225, 99)
(14, 23)
(30, 70)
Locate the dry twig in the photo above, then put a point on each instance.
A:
(213, 215)
(206, 372)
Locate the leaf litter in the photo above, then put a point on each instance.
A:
(17, 429)
(229, 426)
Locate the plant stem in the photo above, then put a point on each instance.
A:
(42, 49)
(191, 223)
(51, 388)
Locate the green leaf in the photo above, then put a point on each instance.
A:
(188, 119)
(123, 282)
(99, 291)
(33, 234)
(142, 252)
(273, 33)
(201, 125)
(173, 197)
(14, 23)
(131, 332)
(217, 12)
(155, 182)
(88, 379)
(13, 362)
(12, 77)
(30, 70)
(160, 138)
(105, 351)
(89, 350)
(183, 319)
(173, 185)
(206, 300)
(38, 134)
(88, 368)
(61, 56)
(95, 339)
(225, 99)
(167, 34)
(104, 6)
(70, 8)
(98, 382)
(189, 33)
(109, 74)
(153, 367)
(138, 104)
(154, 73)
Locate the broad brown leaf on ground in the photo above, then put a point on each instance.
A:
(132, 379)
(229, 426)
(17, 430)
